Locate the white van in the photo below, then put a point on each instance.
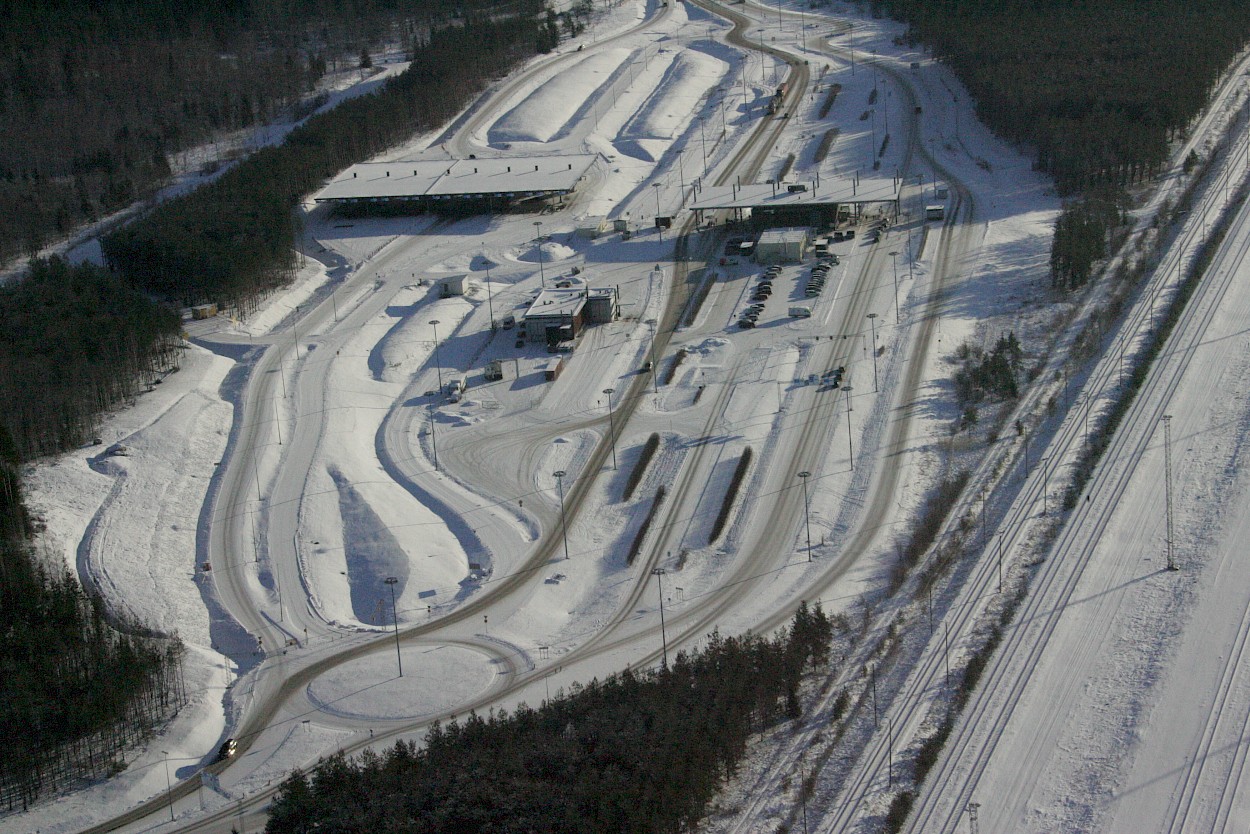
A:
(455, 389)
(801, 312)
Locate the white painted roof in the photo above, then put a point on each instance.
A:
(786, 235)
(868, 190)
(433, 177)
(563, 303)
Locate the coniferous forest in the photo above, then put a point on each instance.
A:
(75, 691)
(637, 752)
(97, 98)
(78, 686)
(1097, 89)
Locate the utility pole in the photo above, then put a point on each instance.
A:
(169, 787)
(658, 573)
(433, 436)
(894, 258)
(437, 362)
(611, 426)
(391, 581)
(490, 305)
(807, 513)
(875, 722)
(655, 385)
(1045, 486)
(850, 445)
(872, 317)
(564, 527)
(1167, 468)
(1000, 561)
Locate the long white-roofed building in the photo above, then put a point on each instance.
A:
(457, 186)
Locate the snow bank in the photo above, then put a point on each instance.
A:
(545, 112)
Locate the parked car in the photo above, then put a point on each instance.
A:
(227, 750)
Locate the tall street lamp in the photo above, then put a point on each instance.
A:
(433, 436)
(655, 385)
(490, 304)
(850, 446)
(658, 227)
(437, 362)
(564, 527)
(391, 581)
(807, 513)
(542, 279)
(169, 786)
(872, 317)
(658, 573)
(894, 257)
(611, 426)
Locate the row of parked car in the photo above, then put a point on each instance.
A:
(759, 295)
(816, 280)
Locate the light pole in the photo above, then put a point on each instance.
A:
(437, 362)
(704, 138)
(169, 786)
(564, 528)
(658, 573)
(538, 226)
(658, 227)
(390, 580)
(433, 436)
(1167, 468)
(850, 447)
(894, 257)
(1000, 560)
(1045, 486)
(611, 426)
(490, 304)
(872, 317)
(655, 385)
(807, 513)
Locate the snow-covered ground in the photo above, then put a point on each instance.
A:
(342, 465)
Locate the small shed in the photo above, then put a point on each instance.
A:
(592, 227)
(452, 285)
(552, 368)
(204, 311)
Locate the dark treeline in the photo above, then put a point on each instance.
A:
(75, 691)
(638, 752)
(235, 239)
(96, 97)
(74, 343)
(1097, 87)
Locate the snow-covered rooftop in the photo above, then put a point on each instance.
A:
(562, 302)
(441, 177)
(826, 191)
(785, 235)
